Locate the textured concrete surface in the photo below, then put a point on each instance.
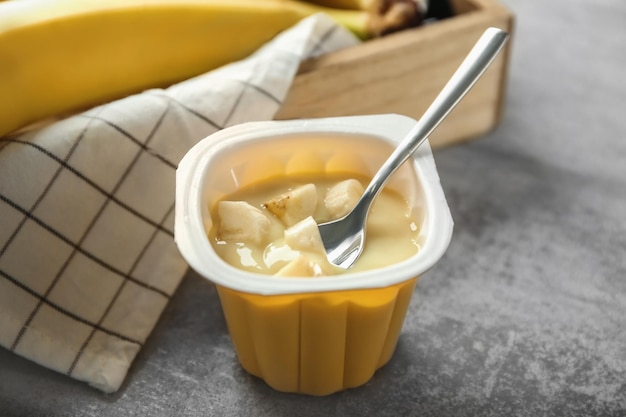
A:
(524, 316)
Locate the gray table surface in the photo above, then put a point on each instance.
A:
(526, 313)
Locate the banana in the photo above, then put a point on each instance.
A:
(242, 222)
(387, 15)
(344, 4)
(342, 197)
(305, 236)
(61, 56)
(294, 205)
(422, 5)
(301, 266)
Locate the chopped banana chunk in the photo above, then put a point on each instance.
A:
(301, 266)
(295, 205)
(305, 236)
(342, 197)
(242, 222)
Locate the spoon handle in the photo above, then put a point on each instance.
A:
(470, 70)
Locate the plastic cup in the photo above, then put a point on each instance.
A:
(320, 335)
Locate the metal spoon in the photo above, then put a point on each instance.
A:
(344, 238)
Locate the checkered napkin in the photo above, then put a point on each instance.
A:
(87, 255)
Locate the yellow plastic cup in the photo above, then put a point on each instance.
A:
(320, 335)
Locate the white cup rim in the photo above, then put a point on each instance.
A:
(194, 244)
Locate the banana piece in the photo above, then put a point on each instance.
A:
(61, 56)
(242, 222)
(342, 197)
(301, 266)
(295, 205)
(305, 236)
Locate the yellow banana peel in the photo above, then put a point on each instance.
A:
(60, 56)
(345, 4)
(387, 16)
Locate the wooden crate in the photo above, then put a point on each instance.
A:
(403, 73)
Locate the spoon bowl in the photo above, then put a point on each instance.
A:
(344, 238)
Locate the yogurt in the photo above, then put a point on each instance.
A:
(391, 234)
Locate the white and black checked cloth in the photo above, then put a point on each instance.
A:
(87, 255)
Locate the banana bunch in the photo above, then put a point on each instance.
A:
(60, 56)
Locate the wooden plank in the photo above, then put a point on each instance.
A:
(403, 72)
